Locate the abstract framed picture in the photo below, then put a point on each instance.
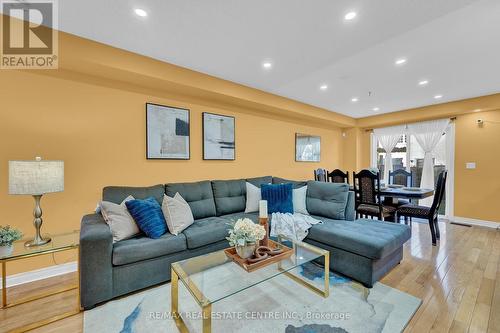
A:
(307, 148)
(167, 132)
(218, 137)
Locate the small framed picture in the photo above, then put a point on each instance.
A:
(307, 148)
(167, 132)
(218, 137)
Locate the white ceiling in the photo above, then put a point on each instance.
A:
(455, 44)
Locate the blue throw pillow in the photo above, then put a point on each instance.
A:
(279, 197)
(148, 215)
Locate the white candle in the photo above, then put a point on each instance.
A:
(263, 208)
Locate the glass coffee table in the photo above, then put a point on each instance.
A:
(213, 277)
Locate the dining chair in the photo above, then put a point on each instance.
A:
(367, 196)
(320, 175)
(338, 176)
(428, 213)
(399, 177)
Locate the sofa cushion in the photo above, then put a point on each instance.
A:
(231, 218)
(148, 215)
(327, 199)
(117, 194)
(198, 195)
(295, 184)
(206, 231)
(279, 198)
(118, 218)
(143, 248)
(369, 238)
(259, 181)
(177, 213)
(229, 196)
(254, 196)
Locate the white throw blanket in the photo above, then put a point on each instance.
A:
(294, 226)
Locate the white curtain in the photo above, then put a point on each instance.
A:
(428, 134)
(388, 138)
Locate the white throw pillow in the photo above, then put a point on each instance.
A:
(177, 213)
(253, 197)
(119, 220)
(299, 200)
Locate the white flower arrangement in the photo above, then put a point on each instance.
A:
(245, 231)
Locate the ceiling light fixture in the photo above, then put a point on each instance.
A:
(438, 96)
(267, 65)
(376, 108)
(323, 87)
(400, 61)
(423, 82)
(354, 99)
(350, 16)
(140, 12)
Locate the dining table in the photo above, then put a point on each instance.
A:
(415, 193)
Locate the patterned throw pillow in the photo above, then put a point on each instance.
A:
(148, 215)
(279, 197)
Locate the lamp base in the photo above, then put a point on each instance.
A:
(37, 242)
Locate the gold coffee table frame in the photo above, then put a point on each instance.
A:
(177, 272)
(60, 243)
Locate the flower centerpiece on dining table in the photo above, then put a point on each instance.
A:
(244, 236)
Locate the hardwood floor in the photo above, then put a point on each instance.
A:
(458, 282)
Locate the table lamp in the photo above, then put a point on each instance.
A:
(36, 178)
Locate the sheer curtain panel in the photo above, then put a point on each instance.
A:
(428, 134)
(388, 138)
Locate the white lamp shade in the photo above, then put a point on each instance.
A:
(36, 177)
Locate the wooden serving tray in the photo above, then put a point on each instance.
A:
(250, 267)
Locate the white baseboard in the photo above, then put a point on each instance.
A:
(40, 274)
(481, 223)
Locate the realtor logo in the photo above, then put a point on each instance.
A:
(29, 34)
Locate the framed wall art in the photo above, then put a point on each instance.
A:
(218, 137)
(167, 132)
(307, 148)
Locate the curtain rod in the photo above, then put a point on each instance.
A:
(371, 129)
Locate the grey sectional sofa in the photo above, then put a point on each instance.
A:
(363, 249)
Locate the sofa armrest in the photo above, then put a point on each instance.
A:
(96, 269)
(350, 210)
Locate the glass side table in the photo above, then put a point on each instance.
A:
(61, 242)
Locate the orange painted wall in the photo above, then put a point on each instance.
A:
(100, 134)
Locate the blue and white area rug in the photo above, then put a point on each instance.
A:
(277, 305)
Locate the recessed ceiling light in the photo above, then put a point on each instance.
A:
(376, 108)
(423, 82)
(350, 16)
(323, 87)
(267, 65)
(400, 61)
(438, 96)
(354, 99)
(140, 12)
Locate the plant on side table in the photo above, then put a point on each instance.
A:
(244, 237)
(8, 235)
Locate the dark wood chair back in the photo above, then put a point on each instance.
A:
(320, 175)
(338, 176)
(439, 192)
(366, 187)
(401, 177)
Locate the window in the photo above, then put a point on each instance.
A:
(398, 155)
(417, 162)
(409, 155)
